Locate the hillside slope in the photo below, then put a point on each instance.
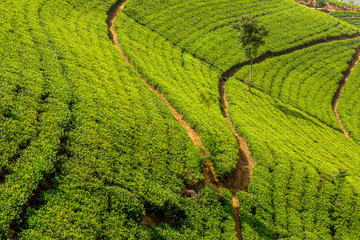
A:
(88, 150)
(280, 137)
(105, 157)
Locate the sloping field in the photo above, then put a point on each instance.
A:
(157, 140)
(350, 17)
(295, 189)
(105, 157)
(306, 79)
(279, 136)
(189, 84)
(203, 28)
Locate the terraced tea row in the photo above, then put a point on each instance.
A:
(306, 79)
(296, 188)
(104, 154)
(203, 29)
(350, 17)
(35, 108)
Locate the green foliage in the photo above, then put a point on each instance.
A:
(292, 193)
(306, 79)
(189, 84)
(251, 35)
(347, 16)
(340, 175)
(203, 28)
(87, 151)
(86, 147)
(35, 106)
(321, 3)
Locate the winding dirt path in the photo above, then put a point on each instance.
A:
(239, 179)
(113, 36)
(336, 98)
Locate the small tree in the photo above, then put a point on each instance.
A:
(251, 37)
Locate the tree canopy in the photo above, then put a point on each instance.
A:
(251, 37)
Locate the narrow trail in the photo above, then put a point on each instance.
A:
(335, 101)
(208, 170)
(233, 70)
(336, 98)
(239, 179)
(113, 37)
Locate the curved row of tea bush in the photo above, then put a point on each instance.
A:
(104, 153)
(35, 108)
(188, 83)
(348, 107)
(306, 79)
(349, 17)
(203, 28)
(88, 152)
(300, 189)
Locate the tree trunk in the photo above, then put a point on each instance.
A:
(249, 82)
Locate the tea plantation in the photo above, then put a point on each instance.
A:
(203, 28)
(295, 191)
(89, 151)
